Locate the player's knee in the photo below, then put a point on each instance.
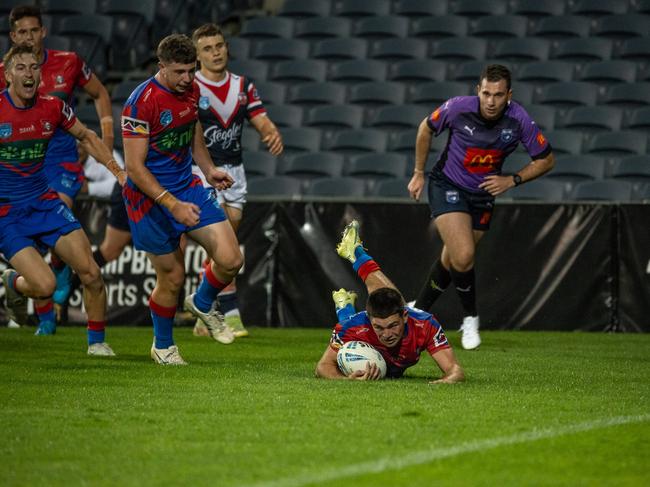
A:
(91, 277)
(462, 261)
(111, 252)
(232, 265)
(173, 280)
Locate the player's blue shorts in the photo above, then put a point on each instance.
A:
(38, 223)
(446, 197)
(153, 227)
(65, 175)
(117, 217)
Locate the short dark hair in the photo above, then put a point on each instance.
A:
(22, 11)
(176, 48)
(16, 50)
(496, 72)
(384, 302)
(206, 30)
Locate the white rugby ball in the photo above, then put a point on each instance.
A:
(354, 356)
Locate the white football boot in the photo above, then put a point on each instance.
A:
(100, 350)
(166, 356)
(213, 320)
(470, 339)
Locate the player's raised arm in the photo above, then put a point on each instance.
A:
(99, 94)
(93, 145)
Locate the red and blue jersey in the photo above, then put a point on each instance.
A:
(168, 120)
(61, 73)
(477, 147)
(421, 332)
(223, 108)
(25, 135)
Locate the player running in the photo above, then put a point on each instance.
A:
(483, 131)
(164, 199)
(398, 332)
(32, 217)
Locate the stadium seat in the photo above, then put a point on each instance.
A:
(583, 50)
(459, 49)
(628, 95)
(575, 169)
(617, 144)
(568, 95)
(132, 22)
(417, 70)
(319, 28)
(4, 43)
(377, 93)
(562, 27)
(335, 117)
(58, 43)
(477, 8)
(376, 166)
(596, 8)
(281, 49)
(238, 49)
(394, 50)
(285, 115)
(643, 194)
(358, 71)
(169, 16)
(305, 8)
(90, 36)
(643, 73)
(317, 94)
(641, 6)
(543, 115)
(397, 117)
(435, 93)
(341, 187)
(396, 188)
(340, 49)
(381, 27)
(356, 9)
(521, 92)
(419, 8)
(313, 165)
(469, 72)
(538, 9)
(496, 27)
(271, 93)
(635, 49)
(301, 140)
(351, 142)
(608, 72)
(252, 69)
(544, 72)
(635, 169)
(261, 28)
(440, 27)
(250, 140)
(622, 26)
(57, 10)
(526, 49)
(123, 90)
(591, 120)
(277, 186)
(537, 190)
(299, 71)
(87, 113)
(565, 141)
(402, 142)
(603, 190)
(638, 119)
(259, 164)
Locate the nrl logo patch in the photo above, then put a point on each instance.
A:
(5, 130)
(204, 103)
(452, 197)
(166, 117)
(506, 135)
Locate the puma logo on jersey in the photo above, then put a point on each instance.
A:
(470, 130)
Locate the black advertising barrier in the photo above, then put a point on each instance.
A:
(540, 267)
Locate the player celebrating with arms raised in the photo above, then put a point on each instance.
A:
(484, 130)
(164, 199)
(32, 216)
(399, 333)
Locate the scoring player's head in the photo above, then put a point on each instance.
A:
(22, 72)
(387, 312)
(211, 48)
(494, 91)
(177, 62)
(26, 27)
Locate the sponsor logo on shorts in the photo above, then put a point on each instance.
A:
(452, 196)
(65, 212)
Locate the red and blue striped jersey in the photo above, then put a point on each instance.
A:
(25, 134)
(168, 120)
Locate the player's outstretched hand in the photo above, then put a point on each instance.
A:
(495, 185)
(371, 372)
(415, 186)
(219, 179)
(186, 213)
(273, 141)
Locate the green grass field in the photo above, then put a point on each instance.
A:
(537, 409)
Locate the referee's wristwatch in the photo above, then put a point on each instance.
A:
(517, 179)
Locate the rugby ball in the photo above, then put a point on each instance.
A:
(354, 356)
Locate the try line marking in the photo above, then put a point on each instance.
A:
(430, 455)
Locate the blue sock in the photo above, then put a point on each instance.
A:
(362, 257)
(208, 290)
(46, 313)
(345, 312)
(163, 320)
(228, 302)
(96, 331)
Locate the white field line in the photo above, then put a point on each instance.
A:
(433, 454)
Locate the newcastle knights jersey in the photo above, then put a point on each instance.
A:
(223, 107)
(61, 73)
(421, 332)
(24, 137)
(477, 147)
(168, 120)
